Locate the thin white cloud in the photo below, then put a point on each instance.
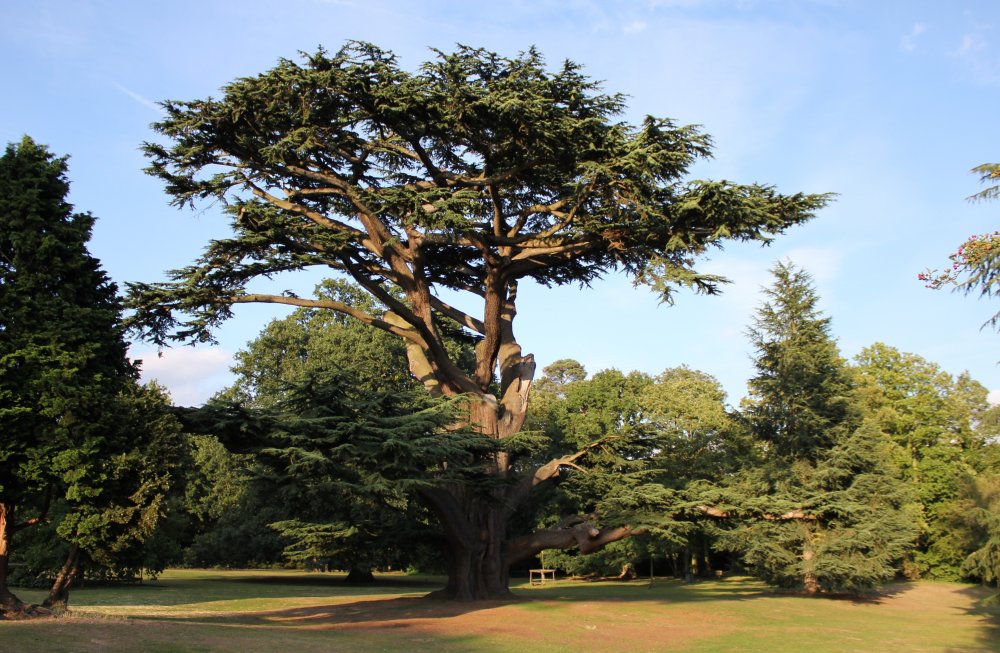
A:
(909, 42)
(979, 57)
(144, 101)
(635, 27)
(685, 4)
(191, 374)
(972, 45)
(993, 397)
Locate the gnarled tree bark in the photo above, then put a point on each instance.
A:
(412, 183)
(58, 597)
(8, 600)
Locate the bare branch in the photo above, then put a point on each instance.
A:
(499, 226)
(457, 315)
(379, 234)
(578, 532)
(522, 218)
(318, 218)
(791, 515)
(260, 298)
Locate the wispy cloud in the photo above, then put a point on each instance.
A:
(909, 42)
(675, 3)
(634, 27)
(144, 101)
(972, 46)
(191, 375)
(980, 58)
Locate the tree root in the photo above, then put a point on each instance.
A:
(26, 611)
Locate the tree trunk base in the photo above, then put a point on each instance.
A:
(9, 603)
(58, 598)
(25, 611)
(358, 576)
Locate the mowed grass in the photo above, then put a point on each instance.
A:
(286, 611)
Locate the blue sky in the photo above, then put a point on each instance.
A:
(889, 104)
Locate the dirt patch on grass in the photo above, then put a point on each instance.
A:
(583, 626)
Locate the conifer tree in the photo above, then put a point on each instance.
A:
(439, 191)
(800, 398)
(313, 361)
(64, 375)
(837, 516)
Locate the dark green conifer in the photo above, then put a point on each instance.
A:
(827, 508)
(65, 432)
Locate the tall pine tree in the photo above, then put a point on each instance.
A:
(800, 397)
(63, 375)
(836, 515)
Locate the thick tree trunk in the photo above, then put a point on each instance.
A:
(479, 552)
(58, 597)
(360, 576)
(474, 517)
(689, 564)
(8, 600)
(475, 529)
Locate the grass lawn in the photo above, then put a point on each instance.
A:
(289, 612)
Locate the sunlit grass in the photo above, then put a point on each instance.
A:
(199, 610)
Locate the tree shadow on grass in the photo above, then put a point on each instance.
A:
(327, 602)
(393, 583)
(398, 612)
(395, 612)
(670, 591)
(223, 587)
(985, 603)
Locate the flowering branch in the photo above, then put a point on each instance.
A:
(974, 258)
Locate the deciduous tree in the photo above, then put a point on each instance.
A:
(941, 426)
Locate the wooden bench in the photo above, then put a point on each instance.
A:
(538, 576)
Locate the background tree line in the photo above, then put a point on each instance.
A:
(831, 475)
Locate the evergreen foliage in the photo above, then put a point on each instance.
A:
(800, 398)
(978, 518)
(314, 518)
(334, 468)
(467, 176)
(836, 514)
(82, 443)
